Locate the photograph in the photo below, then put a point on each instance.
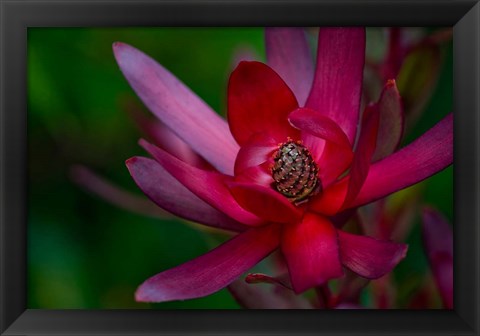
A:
(173, 168)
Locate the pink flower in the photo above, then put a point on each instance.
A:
(286, 117)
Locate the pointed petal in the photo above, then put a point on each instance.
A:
(257, 175)
(363, 153)
(97, 185)
(212, 271)
(265, 202)
(257, 150)
(257, 98)
(337, 85)
(369, 257)
(171, 195)
(438, 243)
(308, 121)
(289, 55)
(207, 185)
(164, 138)
(391, 125)
(427, 155)
(311, 250)
(178, 107)
(335, 161)
(335, 155)
(254, 159)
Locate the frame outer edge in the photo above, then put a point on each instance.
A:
(467, 168)
(13, 215)
(13, 291)
(2, 174)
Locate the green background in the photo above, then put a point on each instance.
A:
(84, 252)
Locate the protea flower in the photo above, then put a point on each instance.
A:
(295, 156)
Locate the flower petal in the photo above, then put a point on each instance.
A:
(259, 101)
(427, 155)
(311, 250)
(335, 155)
(265, 202)
(212, 271)
(254, 159)
(337, 85)
(289, 55)
(307, 120)
(369, 257)
(330, 201)
(97, 185)
(258, 175)
(178, 107)
(207, 185)
(391, 125)
(164, 138)
(171, 195)
(438, 243)
(257, 150)
(363, 153)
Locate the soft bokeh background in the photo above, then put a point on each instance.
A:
(86, 253)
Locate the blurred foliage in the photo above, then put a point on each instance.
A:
(86, 253)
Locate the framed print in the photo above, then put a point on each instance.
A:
(165, 162)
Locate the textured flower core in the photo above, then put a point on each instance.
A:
(295, 172)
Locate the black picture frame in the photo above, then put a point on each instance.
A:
(17, 15)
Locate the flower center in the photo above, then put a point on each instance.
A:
(295, 172)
